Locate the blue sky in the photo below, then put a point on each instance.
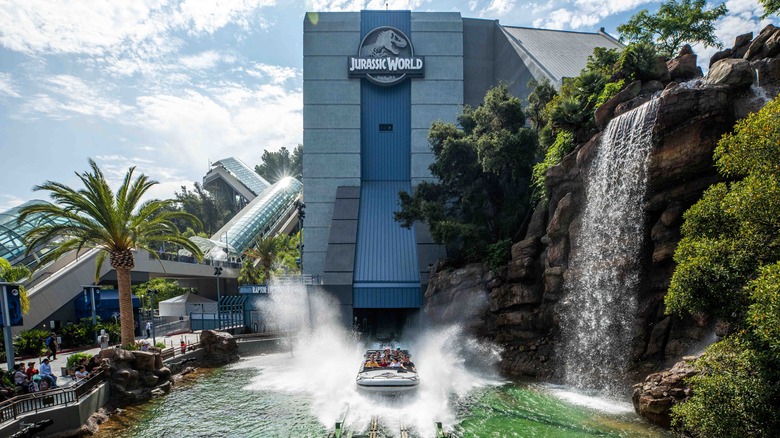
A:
(170, 85)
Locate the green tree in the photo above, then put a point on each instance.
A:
(279, 164)
(166, 289)
(483, 169)
(770, 7)
(114, 223)
(214, 210)
(729, 266)
(273, 255)
(543, 92)
(16, 274)
(675, 24)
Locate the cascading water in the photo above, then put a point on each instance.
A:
(598, 319)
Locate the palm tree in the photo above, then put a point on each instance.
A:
(114, 223)
(16, 274)
(264, 252)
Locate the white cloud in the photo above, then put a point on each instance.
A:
(276, 73)
(225, 120)
(7, 86)
(8, 202)
(199, 16)
(202, 61)
(67, 96)
(575, 14)
(357, 5)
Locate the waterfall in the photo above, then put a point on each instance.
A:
(598, 318)
(759, 93)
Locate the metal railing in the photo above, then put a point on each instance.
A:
(14, 407)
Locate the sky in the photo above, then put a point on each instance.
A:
(170, 86)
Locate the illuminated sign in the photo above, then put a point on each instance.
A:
(386, 57)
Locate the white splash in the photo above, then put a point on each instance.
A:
(324, 362)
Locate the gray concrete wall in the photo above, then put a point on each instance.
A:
(331, 125)
(478, 59)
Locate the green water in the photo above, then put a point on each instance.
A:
(248, 400)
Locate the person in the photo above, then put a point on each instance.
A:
(372, 363)
(31, 371)
(395, 364)
(81, 373)
(148, 329)
(47, 374)
(94, 364)
(407, 364)
(19, 375)
(51, 344)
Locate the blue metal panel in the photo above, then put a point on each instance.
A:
(385, 156)
(386, 263)
(387, 297)
(385, 252)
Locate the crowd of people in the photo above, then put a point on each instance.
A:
(30, 379)
(389, 358)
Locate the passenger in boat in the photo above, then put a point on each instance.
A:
(94, 364)
(372, 363)
(395, 363)
(383, 362)
(407, 364)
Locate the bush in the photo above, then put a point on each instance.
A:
(639, 61)
(564, 143)
(499, 254)
(31, 342)
(609, 91)
(734, 395)
(75, 358)
(78, 335)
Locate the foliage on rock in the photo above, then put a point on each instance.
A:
(674, 25)
(564, 143)
(482, 170)
(729, 266)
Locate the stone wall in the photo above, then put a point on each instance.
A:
(517, 307)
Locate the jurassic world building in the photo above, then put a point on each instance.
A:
(374, 81)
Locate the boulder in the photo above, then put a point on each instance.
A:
(145, 360)
(741, 44)
(654, 398)
(756, 47)
(772, 46)
(148, 379)
(683, 67)
(606, 112)
(735, 72)
(561, 218)
(122, 355)
(163, 373)
(723, 54)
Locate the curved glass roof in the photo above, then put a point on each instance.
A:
(259, 217)
(243, 173)
(12, 247)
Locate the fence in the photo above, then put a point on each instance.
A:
(172, 327)
(209, 321)
(22, 404)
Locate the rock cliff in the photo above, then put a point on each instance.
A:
(518, 307)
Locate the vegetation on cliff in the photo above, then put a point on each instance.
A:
(483, 170)
(729, 266)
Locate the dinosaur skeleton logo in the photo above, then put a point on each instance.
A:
(386, 57)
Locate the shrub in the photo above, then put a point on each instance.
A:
(639, 61)
(564, 143)
(499, 254)
(31, 342)
(75, 358)
(609, 91)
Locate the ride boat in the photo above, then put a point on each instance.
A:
(386, 379)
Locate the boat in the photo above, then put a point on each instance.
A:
(385, 380)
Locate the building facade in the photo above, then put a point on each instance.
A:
(374, 82)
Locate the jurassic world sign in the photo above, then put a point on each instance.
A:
(386, 57)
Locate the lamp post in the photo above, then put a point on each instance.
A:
(150, 293)
(300, 206)
(92, 290)
(218, 272)
(6, 290)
